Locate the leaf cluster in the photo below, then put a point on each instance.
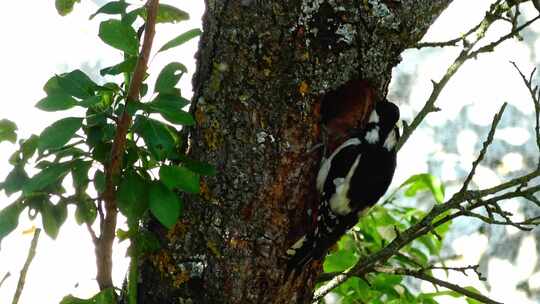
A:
(79, 146)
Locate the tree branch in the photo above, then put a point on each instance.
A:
(4, 278)
(466, 54)
(24, 271)
(106, 239)
(535, 95)
(485, 146)
(420, 274)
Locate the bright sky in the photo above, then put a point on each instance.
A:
(42, 43)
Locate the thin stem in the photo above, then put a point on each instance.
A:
(112, 169)
(425, 277)
(24, 271)
(6, 276)
(485, 146)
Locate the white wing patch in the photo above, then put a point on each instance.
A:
(297, 245)
(339, 202)
(325, 167)
(374, 117)
(372, 136)
(390, 141)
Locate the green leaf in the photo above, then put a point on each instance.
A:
(339, 261)
(423, 182)
(15, 158)
(130, 17)
(43, 164)
(144, 242)
(355, 290)
(386, 282)
(73, 300)
(442, 229)
(9, 218)
(126, 66)
(144, 89)
(418, 254)
(426, 299)
(168, 102)
(102, 152)
(52, 86)
(79, 172)
(182, 38)
(170, 107)
(69, 152)
(64, 7)
(56, 102)
(169, 77)
(180, 117)
(167, 14)
(15, 180)
(99, 181)
(105, 296)
(120, 36)
(175, 177)
(432, 244)
(53, 216)
(76, 83)
(471, 300)
(94, 118)
(86, 210)
(111, 8)
(46, 177)
(165, 205)
(29, 146)
(59, 133)
(199, 167)
(156, 135)
(133, 196)
(91, 101)
(7, 131)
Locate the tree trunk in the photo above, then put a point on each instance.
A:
(263, 69)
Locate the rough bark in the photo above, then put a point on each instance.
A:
(263, 67)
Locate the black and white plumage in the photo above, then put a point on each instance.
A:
(350, 181)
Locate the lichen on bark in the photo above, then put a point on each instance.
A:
(262, 69)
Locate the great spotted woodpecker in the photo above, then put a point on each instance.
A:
(350, 181)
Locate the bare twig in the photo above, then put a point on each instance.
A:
(486, 144)
(328, 286)
(24, 271)
(490, 47)
(496, 12)
(535, 96)
(466, 54)
(463, 270)
(451, 42)
(105, 242)
(92, 233)
(420, 274)
(429, 106)
(6, 276)
(525, 225)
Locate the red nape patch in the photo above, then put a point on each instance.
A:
(345, 109)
